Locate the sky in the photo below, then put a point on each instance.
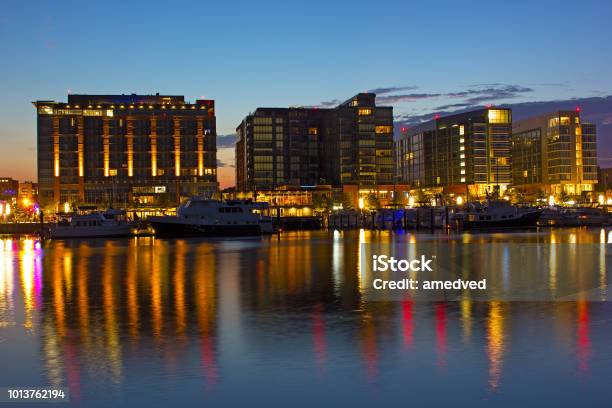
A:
(421, 57)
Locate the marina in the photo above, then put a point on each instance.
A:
(190, 320)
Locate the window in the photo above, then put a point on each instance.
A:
(383, 129)
(499, 116)
(365, 112)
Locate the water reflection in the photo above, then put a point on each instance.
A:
(112, 315)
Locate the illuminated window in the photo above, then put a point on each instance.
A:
(354, 102)
(461, 148)
(462, 156)
(112, 172)
(525, 173)
(365, 112)
(552, 122)
(463, 179)
(461, 140)
(462, 164)
(383, 129)
(565, 120)
(499, 116)
(312, 131)
(461, 130)
(462, 171)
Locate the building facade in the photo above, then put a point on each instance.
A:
(464, 154)
(9, 188)
(350, 144)
(125, 149)
(28, 190)
(555, 154)
(277, 147)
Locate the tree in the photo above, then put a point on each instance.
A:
(372, 202)
(563, 196)
(540, 195)
(347, 201)
(321, 203)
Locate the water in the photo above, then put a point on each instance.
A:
(151, 322)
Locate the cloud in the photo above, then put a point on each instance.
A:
(329, 104)
(221, 163)
(224, 141)
(406, 97)
(387, 90)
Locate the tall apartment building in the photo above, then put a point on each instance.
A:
(278, 146)
(554, 153)
(350, 144)
(123, 148)
(466, 153)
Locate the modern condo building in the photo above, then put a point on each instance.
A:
(350, 144)
(125, 148)
(466, 153)
(555, 154)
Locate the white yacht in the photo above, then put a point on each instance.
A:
(89, 223)
(202, 217)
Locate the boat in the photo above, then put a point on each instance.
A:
(88, 222)
(205, 217)
(574, 217)
(498, 214)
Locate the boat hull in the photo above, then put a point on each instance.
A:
(171, 229)
(526, 220)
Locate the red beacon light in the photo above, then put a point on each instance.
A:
(437, 116)
(578, 109)
(404, 129)
(489, 105)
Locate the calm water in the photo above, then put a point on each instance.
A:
(151, 322)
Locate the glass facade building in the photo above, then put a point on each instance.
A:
(555, 153)
(350, 144)
(98, 149)
(466, 153)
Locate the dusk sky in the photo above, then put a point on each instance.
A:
(421, 57)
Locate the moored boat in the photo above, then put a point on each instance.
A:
(499, 214)
(202, 217)
(89, 223)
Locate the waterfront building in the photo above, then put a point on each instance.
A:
(349, 146)
(9, 188)
(554, 154)
(28, 192)
(465, 154)
(125, 149)
(604, 179)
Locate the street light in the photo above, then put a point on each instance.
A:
(361, 203)
(601, 199)
(459, 200)
(551, 200)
